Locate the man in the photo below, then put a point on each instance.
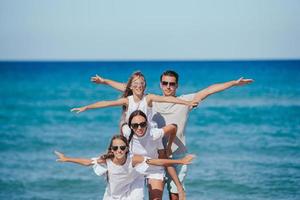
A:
(169, 113)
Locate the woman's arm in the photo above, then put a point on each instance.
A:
(81, 161)
(114, 84)
(168, 99)
(202, 94)
(101, 104)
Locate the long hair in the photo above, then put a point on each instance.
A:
(109, 153)
(133, 114)
(128, 90)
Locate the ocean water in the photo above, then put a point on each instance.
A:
(247, 139)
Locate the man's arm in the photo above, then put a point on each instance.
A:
(202, 94)
(114, 84)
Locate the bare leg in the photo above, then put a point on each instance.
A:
(155, 188)
(173, 196)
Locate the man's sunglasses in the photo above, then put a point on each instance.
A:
(136, 125)
(115, 148)
(171, 84)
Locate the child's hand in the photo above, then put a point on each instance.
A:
(188, 159)
(97, 79)
(61, 157)
(79, 110)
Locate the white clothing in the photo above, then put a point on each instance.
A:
(171, 113)
(148, 145)
(125, 182)
(141, 105)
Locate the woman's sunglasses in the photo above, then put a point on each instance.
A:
(136, 125)
(115, 148)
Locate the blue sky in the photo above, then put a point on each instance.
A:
(149, 30)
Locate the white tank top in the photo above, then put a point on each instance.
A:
(141, 105)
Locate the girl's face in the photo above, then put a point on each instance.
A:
(119, 148)
(138, 85)
(139, 125)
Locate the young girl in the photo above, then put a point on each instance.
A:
(147, 141)
(124, 171)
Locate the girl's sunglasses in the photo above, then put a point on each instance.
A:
(115, 148)
(136, 125)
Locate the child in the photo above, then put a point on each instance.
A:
(124, 171)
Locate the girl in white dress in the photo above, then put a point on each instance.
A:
(124, 171)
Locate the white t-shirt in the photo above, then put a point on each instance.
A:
(148, 145)
(125, 182)
(170, 113)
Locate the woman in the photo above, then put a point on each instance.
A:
(147, 141)
(124, 179)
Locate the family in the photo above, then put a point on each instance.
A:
(151, 147)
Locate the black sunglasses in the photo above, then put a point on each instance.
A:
(171, 84)
(115, 148)
(136, 125)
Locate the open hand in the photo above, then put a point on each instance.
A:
(79, 110)
(242, 81)
(188, 159)
(61, 156)
(97, 79)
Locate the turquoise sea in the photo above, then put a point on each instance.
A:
(247, 139)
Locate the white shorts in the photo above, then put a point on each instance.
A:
(158, 176)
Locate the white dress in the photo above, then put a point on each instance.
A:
(125, 182)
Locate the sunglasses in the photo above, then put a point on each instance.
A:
(136, 84)
(166, 83)
(115, 148)
(136, 125)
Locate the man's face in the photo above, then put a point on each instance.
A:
(168, 85)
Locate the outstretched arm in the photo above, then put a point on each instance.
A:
(168, 99)
(202, 94)
(114, 84)
(81, 161)
(163, 162)
(101, 104)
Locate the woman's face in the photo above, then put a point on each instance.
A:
(119, 148)
(139, 125)
(138, 85)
